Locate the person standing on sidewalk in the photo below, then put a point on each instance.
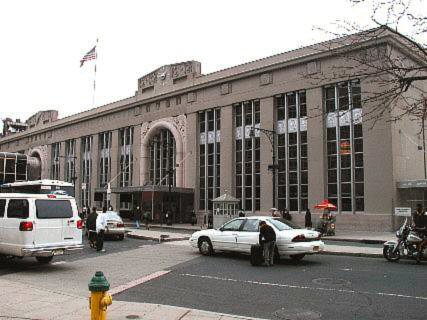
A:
(91, 226)
(308, 223)
(267, 239)
(147, 220)
(137, 217)
(101, 226)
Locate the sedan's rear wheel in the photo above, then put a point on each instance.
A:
(205, 247)
(297, 257)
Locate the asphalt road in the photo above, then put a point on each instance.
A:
(8, 266)
(319, 287)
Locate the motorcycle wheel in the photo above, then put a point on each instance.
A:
(390, 255)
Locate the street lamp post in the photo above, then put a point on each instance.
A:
(271, 135)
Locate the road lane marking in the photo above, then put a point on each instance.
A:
(305, 287)
(137, 282)
(58, 262)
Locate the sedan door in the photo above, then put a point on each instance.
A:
(248, 236)
(226, 236)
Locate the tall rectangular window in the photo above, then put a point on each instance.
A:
(86, 157)
(247, 148)
(292, 177)
(209, 157)
(344, 145)
(126, 161)
(105, 139)
(56, 150)
(70, 160)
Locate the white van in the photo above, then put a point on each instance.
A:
(39, 225)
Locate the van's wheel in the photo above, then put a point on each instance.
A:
(205, 247)
(44, 260)
(297, 257)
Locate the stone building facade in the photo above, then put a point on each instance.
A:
(191, 137)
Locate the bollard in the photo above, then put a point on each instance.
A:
(99, 299)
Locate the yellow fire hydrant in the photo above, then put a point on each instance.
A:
(99, 299)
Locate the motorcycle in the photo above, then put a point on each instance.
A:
(405, 246)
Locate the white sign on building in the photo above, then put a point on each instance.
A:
(402, 211)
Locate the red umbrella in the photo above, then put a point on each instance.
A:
(325, 204)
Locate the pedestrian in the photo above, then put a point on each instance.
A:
(110, 208)
(101, 226)
(267, 239)
(287, 215)
(419, 220)
(241, 214)
(308, 223)
(137, 217)
(91, 226)
(193, 218)
(146, 218)
(83, 213)
(210, 221)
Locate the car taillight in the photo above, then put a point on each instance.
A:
(26, 226)
(51, 196)
(120, 225)
(79, 224)
(299, 238)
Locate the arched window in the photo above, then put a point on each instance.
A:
(163, 158)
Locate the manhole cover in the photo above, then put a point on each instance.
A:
(297, 314)
(332, 282)
(132, 316)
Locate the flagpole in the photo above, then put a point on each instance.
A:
(94, 77)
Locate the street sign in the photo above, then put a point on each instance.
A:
(402, 211)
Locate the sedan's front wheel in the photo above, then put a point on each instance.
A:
(205, 247)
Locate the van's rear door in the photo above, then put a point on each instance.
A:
(70, 232)
(51, 214)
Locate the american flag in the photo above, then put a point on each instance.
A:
(91, 55)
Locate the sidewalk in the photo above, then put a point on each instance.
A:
(156, 235)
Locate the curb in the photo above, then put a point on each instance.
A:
(158, 239)
(366, 241)
(352, 254)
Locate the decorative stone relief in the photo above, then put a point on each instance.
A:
(345, 118)
(191, 97)
(281, 127)
(292, 125)
(331, 120)
(313, 67)
(303, 124)
(239, 133)
(357, 116)
(202, 138)
(211, 136)
(147, 81)
(225, 88)
(179, 122)
(181, 70)
(218, 136)
(265, 79)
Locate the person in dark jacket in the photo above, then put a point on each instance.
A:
(419, 220)
(137, 215)
(91, 225)
(267, 239)
(308, 223)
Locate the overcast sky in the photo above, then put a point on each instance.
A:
(43, 41)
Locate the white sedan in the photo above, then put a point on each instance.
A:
(240, 234)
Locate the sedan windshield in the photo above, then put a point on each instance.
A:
(283, 224)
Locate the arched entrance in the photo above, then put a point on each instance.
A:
(162, 171)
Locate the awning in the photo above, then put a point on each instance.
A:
(147, 188)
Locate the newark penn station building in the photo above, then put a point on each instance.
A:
(286, 131)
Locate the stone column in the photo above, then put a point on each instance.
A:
(115, 167)
(136, 151)
(94, 182)
(62, 161)
(48, 169)
(267, 122)
(191, 172)
(227, 151)
(316, 148)
(78, 171)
